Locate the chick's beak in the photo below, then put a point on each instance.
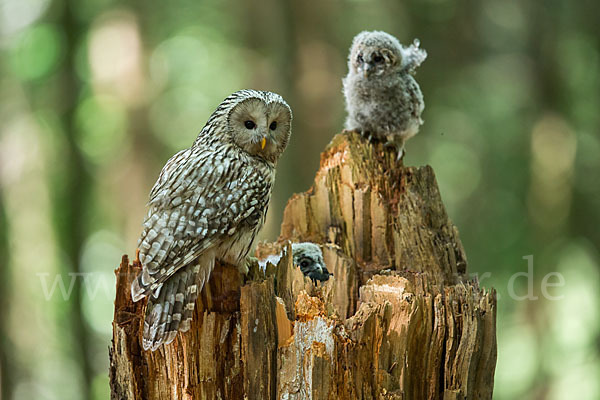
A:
(263, 143)
(367, 69)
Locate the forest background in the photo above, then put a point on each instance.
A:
(96, 95)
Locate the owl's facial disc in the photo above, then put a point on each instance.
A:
(305, 263)
(375, 62)
(259, 128)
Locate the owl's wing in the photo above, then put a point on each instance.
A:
(168, 174)
(412, 57)
(200, 199)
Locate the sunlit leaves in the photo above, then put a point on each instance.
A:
(191, 73)
(101, 123)
(37, 53)
(16, 15)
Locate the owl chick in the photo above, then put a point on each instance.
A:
(309, 258)
(208, 203)
(383, 100)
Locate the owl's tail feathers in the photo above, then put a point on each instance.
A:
(201, 275)
(170, 307)
(159, 311)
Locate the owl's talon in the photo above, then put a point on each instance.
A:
(398, 148)
(400, 154)
(367, 135)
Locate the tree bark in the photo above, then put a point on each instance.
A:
(399, 318)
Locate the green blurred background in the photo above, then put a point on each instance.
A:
(96, 95)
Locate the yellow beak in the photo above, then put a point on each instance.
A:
(263, 143)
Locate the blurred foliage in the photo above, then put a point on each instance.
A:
(97, 94)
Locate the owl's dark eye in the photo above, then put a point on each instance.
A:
(378, 59)
(360, 58)
(273, 125)
(249, 124)
(304, 264)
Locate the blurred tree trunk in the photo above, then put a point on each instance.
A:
(71, 190)
(398, 320)
(7, 361)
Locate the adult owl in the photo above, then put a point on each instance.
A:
(208, 204)
(383, 100)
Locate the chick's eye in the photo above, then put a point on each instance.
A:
(360, 58)
(378, 58)
(273, 125)
(304, 264)
(249, 124)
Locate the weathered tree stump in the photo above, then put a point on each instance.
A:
(399, 319)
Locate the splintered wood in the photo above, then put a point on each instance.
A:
(399, 319)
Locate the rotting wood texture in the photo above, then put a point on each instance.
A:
(399, 319)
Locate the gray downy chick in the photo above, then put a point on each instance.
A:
(383, 100)
(309, 258)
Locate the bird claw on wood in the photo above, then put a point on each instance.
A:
(367, 135)
(399, 148)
